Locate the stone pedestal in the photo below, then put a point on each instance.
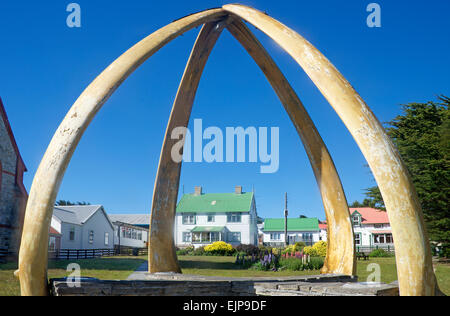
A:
(172, 284)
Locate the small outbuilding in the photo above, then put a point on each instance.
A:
(83, 227)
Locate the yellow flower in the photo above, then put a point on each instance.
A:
(218, 246)
(319, 249)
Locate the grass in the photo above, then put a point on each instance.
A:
(224, 266)
(107, 268)
(119, 268)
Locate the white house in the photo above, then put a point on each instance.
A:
(130, 230)
(82, 227)
(304, 230)
(371, 228)
(260, 233)
(323, 232)
(202, 219)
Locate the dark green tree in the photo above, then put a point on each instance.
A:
(422, 136)
(356, 204)
(371, 201)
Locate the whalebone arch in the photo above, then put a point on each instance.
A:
(162, 257)
(415, 274)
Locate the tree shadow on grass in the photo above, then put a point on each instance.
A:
(8, 266)
(212, 265)
(114, 264)
(105, 263)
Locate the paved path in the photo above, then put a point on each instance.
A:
(143, 267)
(140, 272)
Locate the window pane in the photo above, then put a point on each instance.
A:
(186, 237)
(389, 239)
(196, 237)
(234, 217)
(357, 239)
(189, 219)
(235, 237)
(214, 236)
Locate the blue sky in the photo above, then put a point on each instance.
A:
(45, 66)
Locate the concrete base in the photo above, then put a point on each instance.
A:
(172, 284)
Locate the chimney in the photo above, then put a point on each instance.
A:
(198, 191)
(238, 189)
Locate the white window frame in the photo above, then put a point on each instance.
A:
(391, 238)
(232, 237)
(192, 219)
(358, 239)
(275, 236)
(187, 234)
(234, 218)
(91, 236)
(72, 233)
(211, 216)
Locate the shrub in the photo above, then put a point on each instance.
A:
(299, 264)
(289, 249)
(316, 263)
(445, 252)
(379, 253)
(319, 249)
(248, 249)
(185, 251)
(308, 250)
(199, 251)
(292, 264)
(259, 267)
(182, 252)
(268, 262)
(219, 248)
(298, 246)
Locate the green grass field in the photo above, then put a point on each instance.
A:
(114, 268)
(119, 268)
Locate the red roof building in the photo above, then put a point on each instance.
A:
(371, 228)
(13, 195)
(371, 215)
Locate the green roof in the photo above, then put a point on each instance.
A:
(201, 229)
(215, 203)
(293, 224)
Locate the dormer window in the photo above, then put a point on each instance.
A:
(356, 218)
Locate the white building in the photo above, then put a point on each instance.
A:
(130, 230)
(202, 219)
(304, 230)
(371, 228)
(81, 227)
(323, 233)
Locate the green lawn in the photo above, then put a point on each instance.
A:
(113, 268)
(119, 268)
(224, 266)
